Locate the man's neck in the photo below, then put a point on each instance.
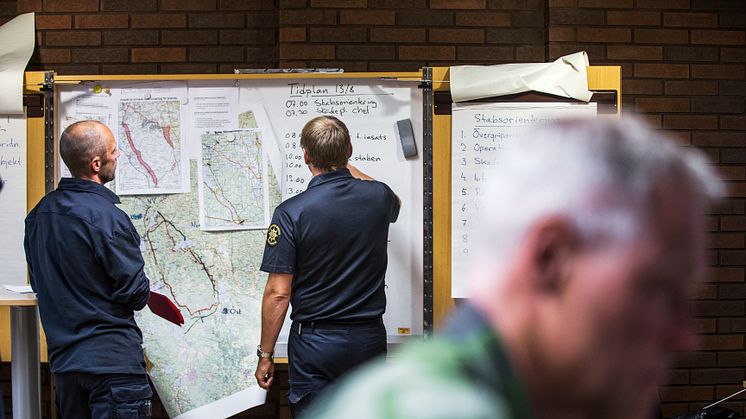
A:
(92, 178)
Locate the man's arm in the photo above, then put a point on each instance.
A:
(274, 307)
(356, 173)
(121, 258)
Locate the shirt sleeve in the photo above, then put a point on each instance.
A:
(279, 246)
(394, 203)
(122, 260)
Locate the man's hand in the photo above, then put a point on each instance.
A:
(265, 373)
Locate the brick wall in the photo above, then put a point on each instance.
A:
(683, 67)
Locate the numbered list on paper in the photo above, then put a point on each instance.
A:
(479, 133)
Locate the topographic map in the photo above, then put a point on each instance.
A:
(152, 160)
(232, 192)
(214, 278)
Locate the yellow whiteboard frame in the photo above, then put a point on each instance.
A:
(599, 78)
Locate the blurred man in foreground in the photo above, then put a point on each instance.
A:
(594, 233)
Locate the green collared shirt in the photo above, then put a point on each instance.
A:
(462, 373)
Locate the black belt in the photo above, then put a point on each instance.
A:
(298, 327)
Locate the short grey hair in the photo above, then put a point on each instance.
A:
(604, 175)
(80, 143)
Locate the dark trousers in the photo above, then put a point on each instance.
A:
(103, 396)
(320, 352)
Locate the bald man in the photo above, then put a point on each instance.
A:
(86, 268)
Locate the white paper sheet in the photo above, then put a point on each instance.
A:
(566, 77)
(21, 289)
(212, 108)
(12, 198)
(228, 406)
(17, 41)
(479, 132)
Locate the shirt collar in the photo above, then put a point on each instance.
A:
(83, 185)
(329, 176)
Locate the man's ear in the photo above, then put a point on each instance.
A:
(305, 157)
(554, 243)
(349, 153)
(96, 165)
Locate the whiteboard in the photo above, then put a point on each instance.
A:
(13, 198)
(479, 132)
(370, 108)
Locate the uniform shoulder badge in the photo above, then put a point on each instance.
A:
(273, 234)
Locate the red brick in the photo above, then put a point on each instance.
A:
(722, 71)
(458, 4)
(642, 87)
(688, 393)
(733, 55)
(485, 19)
(732, 173)
(661, 36)
(527, 20)
(130, 69)
(524, 36)
(293, 4)
(424, 17)
(708, 37)
(606, 4)
(247, 37)
(129, 5)
(730, 122)
(244, 5)
(716, 376)
(689, 54)
(216, 54)
(101, 21)
(53, 22)
(308, 17)
(485, 54)
(25, 6)
(188, 69)
(690, 122)
(99, 55)
(603, 35)
(339, 4)
(188, 5)
(457, 36)
(71, 5)
(727, 240)
(217, 20)
(189, 37)
(292, 34)
(664, 4)
(306, 51)
(557, 50)
(580, 17)
(563, 3)
(398, 35)
(561, 33)
(54, 55)
(662, 71)
(425, 53)
(339, 34)
(367, 17)
(662, 105)
(735, 190)
(732, 359)
(159, 21)
(691, 88)
(728, 273)
(530, 53)
(633, 18)
(77, 69)
(690, 20)
(73, 38)
(534, 5)
(634, 53)
(131, 37)
(718, 104)
(733, 87)
(261, 54)
(722, 342)
(366, 52)
(262, 20)
(158, 55)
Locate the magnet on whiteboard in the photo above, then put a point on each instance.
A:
(406, 137)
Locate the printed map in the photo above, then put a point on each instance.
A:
(214, 278)
(233, 182)
(150, 141)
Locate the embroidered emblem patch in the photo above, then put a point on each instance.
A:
(273, 233)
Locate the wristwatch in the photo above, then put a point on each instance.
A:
(261, 354)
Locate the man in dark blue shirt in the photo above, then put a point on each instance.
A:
(327, 245)
(86, 268)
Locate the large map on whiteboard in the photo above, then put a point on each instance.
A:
(214, 279)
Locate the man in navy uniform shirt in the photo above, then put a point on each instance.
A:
(86, 268)
(328, 246)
